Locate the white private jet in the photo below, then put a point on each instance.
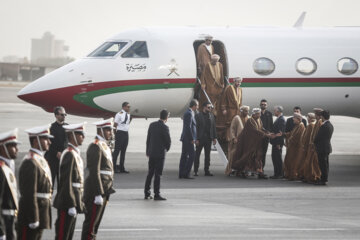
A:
(155, 68)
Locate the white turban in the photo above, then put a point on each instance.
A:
(255, 111)
(208, 37)
(243, 107)
(298, 116)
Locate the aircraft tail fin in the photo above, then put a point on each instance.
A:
(300, 20)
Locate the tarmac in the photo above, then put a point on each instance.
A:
(218, 207)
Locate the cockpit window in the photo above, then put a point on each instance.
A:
(108, 49)
(137, 50)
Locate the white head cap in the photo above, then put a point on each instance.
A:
(238, 79)
(107, 123)
(79, 127)
(9, 137)
(41, 131)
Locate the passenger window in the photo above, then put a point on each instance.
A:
(137, 50)
(347, 66)
(305, 66)
(108, 49)
(264, 66)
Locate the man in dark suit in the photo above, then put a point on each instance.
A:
(206, 134)
(58, 143)
(99, 182)
(267, 121)
(290, 122)
(157, 144)
(323, 146)
(277, 142)
(188, 138)
(35, 187)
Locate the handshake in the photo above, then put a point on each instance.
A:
(273, 135)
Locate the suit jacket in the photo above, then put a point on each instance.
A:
(189, 127)
(267, 120)
(279, 125)
(200, 126)
(34, 178)
(70, 189)
(290, 124)
(158, 140)
(7, 201)
(323, 138)
(99, 159)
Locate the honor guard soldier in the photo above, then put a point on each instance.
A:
(8, 189)
(35, 186)
(99, 181)
(69, 197)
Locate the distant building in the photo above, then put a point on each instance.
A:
(49, 51)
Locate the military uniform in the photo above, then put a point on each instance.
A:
(35, 186)
(8, 189)
(70, 192)
(99, 182)
(8, 201)
(35, 189)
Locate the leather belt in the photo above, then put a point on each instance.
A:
(106, 172)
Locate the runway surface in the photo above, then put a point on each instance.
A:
(218, 207)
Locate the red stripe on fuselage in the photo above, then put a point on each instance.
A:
(49, 99)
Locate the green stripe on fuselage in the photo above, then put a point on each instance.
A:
(87, 98)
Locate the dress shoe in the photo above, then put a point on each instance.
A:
(148, 197)
(196, 174)
(187, 177)
(159, 198)
(124, 171)
(321, 183)
(208, 173)
(262, 176)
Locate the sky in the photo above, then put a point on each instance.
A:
(85, 24)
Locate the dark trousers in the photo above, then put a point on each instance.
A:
(265, 146)
(26, 233)
(54, 163)
(187, 158)
(64, 226)
(276, 155)
(324, 165)
(93, 216)
(156, 166)
(9, 222)
(121, 143)
(206, 144)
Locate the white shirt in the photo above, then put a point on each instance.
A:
(209, 48)
(9, 162)
(120, 120)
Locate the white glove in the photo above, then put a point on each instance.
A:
(99, 200)
(72, 212)
(34, 225)
(3, 237)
